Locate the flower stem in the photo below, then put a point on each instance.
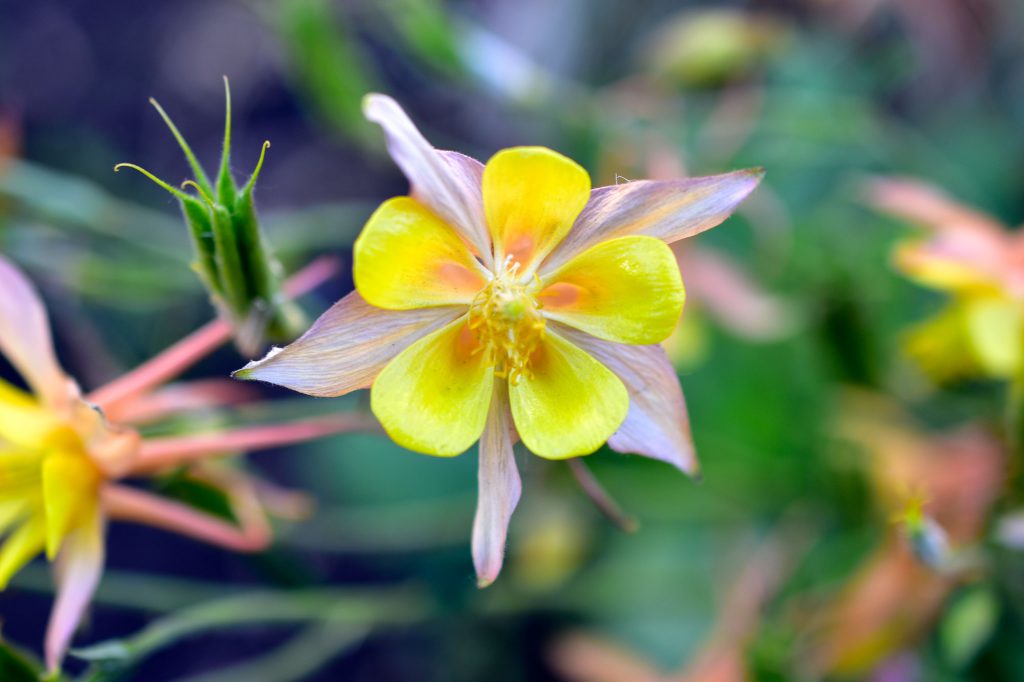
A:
(600, 497)
(160, 453)
(124, 503)
(197, 345)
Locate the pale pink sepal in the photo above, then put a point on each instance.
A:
(448, 183)
(928, 206)
(499, 489)
(657, 424)
(667, 209)
(347, 347)
(78, 570)
(25, 336)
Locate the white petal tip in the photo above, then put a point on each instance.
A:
(374, 102)
(250, 371)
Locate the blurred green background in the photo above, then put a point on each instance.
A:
(743, 572)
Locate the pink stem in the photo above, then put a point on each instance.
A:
(165, 366)
(129, 504)
(160, 453)
(604, 502)
(197, 345)
(182, 397)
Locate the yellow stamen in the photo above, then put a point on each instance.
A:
(507, 322)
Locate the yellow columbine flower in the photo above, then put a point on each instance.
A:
(61, 460)
(975, 260)
(510, 301)
(53, 448)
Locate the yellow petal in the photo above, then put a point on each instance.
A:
(626, 290)
(570, 404)
(12, 511)
(996, 331)
(19, 474)
(931, 267)
(20, 547)
(69, 495)
(434, 396)
(941, 347)
(406, 257)
(446, 182)
(532, 196)
(23, 421)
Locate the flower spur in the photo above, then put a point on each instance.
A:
(509, 301)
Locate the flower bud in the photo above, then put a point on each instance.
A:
(232, 258)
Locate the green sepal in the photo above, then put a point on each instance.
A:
(226, 189)
(264, 270)
(197, 217)
(229, 263)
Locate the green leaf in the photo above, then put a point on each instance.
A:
(427, 30)
(353, 608)
(968, 624)
(17, 667)
(330, 66)
(300, 656)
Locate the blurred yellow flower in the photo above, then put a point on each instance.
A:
(979, 264)
(62, 456)
(509, 301)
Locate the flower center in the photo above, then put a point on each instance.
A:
(507, 323)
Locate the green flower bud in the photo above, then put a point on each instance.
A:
(233, 260)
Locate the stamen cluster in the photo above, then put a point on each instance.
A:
(508, 325)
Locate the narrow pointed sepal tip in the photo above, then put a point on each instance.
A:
(484, 581)
(244, 374)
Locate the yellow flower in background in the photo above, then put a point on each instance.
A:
(62, 456)
(53, 450)
(979, 263)
(506, 301)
